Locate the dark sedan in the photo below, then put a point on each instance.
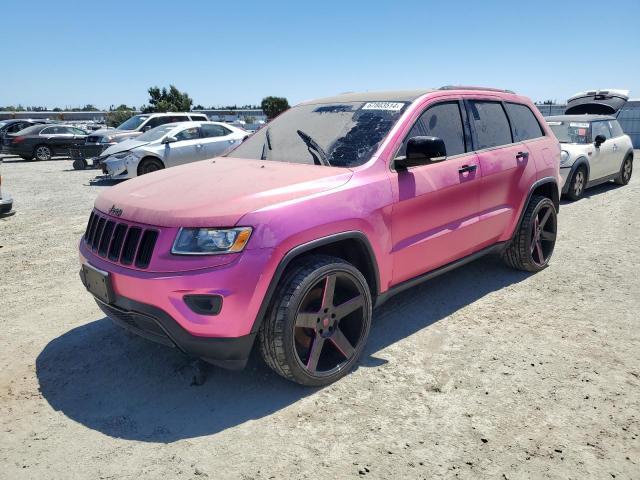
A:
(42, 142)
(15, 125)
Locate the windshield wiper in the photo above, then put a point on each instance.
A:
(321, 158)
(263, 155)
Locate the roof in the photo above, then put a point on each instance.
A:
(396, 95)
(388, 96)
(578, 118)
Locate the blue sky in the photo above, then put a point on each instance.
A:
(72, 53)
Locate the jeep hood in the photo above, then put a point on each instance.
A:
(597, 102)
(217, 192)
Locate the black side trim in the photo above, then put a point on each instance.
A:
(305, 247)
(227, 352)
(599, 181)
(383, 297)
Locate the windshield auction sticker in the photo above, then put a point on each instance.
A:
(579, 125)
(390, 106)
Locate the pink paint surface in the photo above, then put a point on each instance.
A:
(415, 221)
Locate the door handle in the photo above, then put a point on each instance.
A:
(467, 168)
(522, 155)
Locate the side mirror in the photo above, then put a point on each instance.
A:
(600, 139)
(146, 128)
(166, 140)
(422, 151)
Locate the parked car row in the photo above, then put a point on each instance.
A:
(90, 154)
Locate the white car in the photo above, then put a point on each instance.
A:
(170, 145)
(594, 147)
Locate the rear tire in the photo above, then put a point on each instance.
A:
(533, 244)
(318, 322)
(577, 183)
(625, 171)
(149, 165)
(42, 153)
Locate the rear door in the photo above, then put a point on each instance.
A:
(435, 216)
(507, 169)
(217, 140)
(604, 156)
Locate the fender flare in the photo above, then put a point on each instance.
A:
(542, 181)
(301, 249)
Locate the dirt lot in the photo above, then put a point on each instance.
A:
(481, 373)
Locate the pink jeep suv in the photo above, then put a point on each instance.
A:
(294, 237)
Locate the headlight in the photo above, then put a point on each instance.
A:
(122, 154)
(210, 241)
(564, 157)
(106, 140)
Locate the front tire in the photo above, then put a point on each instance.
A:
(532, 247)
(149, 165)
(577, 183)
(42, 153)
(625, 171)
(79, 164)
(318, 321)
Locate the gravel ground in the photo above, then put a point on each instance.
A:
(481, 373)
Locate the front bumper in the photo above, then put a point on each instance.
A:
(6, 205)
(158, 297)
(156, 325)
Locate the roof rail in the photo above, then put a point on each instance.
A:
(465, 87)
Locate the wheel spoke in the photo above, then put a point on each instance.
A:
(307, 319)
(539, 251)
(348, 307)
(342, 343)
(545, 218)
(314, 353)
(329, 291)
(547, 236)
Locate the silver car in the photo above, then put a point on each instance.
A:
(170, 145)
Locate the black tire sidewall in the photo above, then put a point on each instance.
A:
(289, 309)
(146, 161)
(536, 209)
(571, 193)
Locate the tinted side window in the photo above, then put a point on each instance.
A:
(444, 121)
(176, 118)
(199, 118)
(523, 122)
(490, 124)
(600, 128)
(616, 129)
(188, 134)
(214, 131)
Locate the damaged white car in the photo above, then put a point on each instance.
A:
(170, 145)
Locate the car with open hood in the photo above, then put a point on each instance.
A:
(168, 146)
(595, 149)
(90, 153)
(290, 240)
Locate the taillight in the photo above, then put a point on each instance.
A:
(17, 139)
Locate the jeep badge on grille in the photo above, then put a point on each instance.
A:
(116, 212)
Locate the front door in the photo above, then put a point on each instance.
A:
(435, 216)
(603, 156)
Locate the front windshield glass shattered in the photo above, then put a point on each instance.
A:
(571, 132)
(338, 135)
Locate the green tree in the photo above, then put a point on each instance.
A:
(172, 100)
(118, 115)
(274, 106)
